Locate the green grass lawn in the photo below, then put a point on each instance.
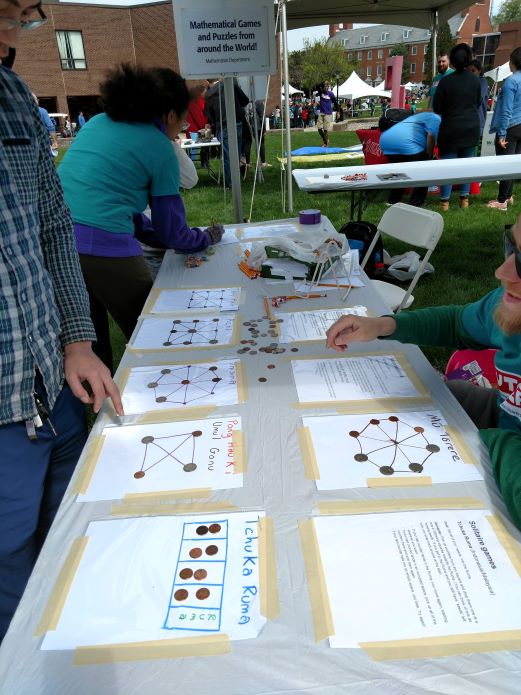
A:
(464, 260)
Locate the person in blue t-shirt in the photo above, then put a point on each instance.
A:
(121, 162)
(411, 140)
(326, 101)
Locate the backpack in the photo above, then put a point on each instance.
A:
(359, 236)
(392, 117)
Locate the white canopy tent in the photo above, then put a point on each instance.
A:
(355, 88)
(292, 90)
(296, 14)
(500, 73)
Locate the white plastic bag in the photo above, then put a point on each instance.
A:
(404, 266)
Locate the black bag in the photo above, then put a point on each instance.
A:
(392, 117)
(359, 236)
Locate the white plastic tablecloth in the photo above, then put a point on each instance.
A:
(284, 658)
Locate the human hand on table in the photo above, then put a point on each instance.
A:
(215, 233)
(82, 365)
(358, 329)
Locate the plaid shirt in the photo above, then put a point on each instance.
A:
(43, 302)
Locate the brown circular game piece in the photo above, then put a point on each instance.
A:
(215, 320)
(189, 467)
(419, 430)
(139, 474)
(147, 440)
(185, 382)
(294, 349)
(271, 366)
(216, 379)
(197, 433)
(387, 470)
(374, 422)
(262, 379)
(354, 433)
(185, 573)
(161, 399)
(432, 448)
(361, 457)
(244, 342)
(202, 594)
(195, 553)
(212, 369)
(214, 528)
(181, 595)
(416, 467)
(200, 575)
(213, 342)
(152, 385)
(167, 344)
(166, 371)
(212, 550)
(201, 530)
(393, 418)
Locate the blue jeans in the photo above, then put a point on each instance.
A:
(464, 188)
(222, 135)
(33, 478)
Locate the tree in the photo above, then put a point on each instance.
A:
(322, 61)
(444, 44)
(509, 11)
(400, 49)
(296, 68)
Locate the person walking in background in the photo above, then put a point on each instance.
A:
(81, 120)
(443, 71)
(506, 124)
(50, 126)
(124, 160)
(327, 101)
(456, 100)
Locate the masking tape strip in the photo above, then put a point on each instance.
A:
(318, 597)
(434, 647)
(512, 549)
(307, 451)
(239, 451)
(166, 495)
(408, 369)
(122, 379)
(82, 482)
(369, 405)
(239, 233)
(183, 414)
(170, 509)
(140, 352)
(242, 390)
(267, 308)
(396, 505)
(212, 645)
(401, 481)
(461, 445)
(237, 323)
(269, 593)
(56, 602)
(151, 300)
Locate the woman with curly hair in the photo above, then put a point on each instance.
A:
(121, 161)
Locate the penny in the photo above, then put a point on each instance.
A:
(262, 379)
(202, 594)
(214, 528)
(200, 574)
(166, 371)
(185, 573)
(201, 530)
(195, 552)
(152, 385)
(181, 595)
(189, 467)
(253, 352)
(294, 349)
(147, 440)
(212, 550)
(243, 342)
(271, 366)
(139, 474)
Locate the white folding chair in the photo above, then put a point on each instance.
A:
(415, 226)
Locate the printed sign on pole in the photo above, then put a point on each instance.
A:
(225, 37)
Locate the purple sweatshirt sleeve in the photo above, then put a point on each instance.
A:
(170, 228)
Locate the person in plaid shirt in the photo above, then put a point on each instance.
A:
(45, 329)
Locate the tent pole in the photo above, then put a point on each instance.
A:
(289, 177)
(233, 147)
(434, 41)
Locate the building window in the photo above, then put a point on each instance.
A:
(413, 68)
(413, 50)
(369, 55)
(363, 38)
(406, 33)
(424, 67)
(359, 55)
(350, 56)
(379, 70)
(368, 71)
(72, 53)
(477, 25)
(380, 53)
(345, 42)
(384, 36)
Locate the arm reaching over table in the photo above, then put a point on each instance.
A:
(358, 329)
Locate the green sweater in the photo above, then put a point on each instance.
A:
(473, 327)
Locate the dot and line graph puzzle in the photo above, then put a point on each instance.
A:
(197, 299)
(183, 333)
(198, 586)
(174, 449)
(182, 386)
(364, 450)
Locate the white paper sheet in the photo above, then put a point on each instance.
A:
(351, 379)
(229, 237)
(286, 268)
(197, 300)
(203, 330)
(408, 575)
(168, 386)
(129, 587)
(302, 326)
(165, 456)
(349, 449)
(266, 231)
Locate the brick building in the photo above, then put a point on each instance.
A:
(371, 46)
(510, 39)
(64, 61)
